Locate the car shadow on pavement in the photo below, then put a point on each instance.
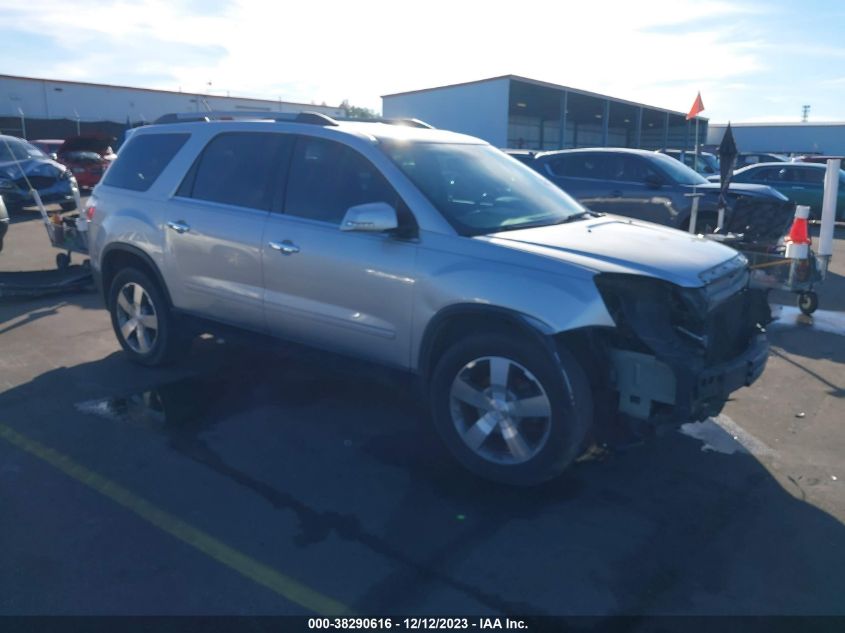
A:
(33, 309)
(666, 527)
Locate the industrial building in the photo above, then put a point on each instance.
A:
(47, 108)
(516, 112)
(784, 138)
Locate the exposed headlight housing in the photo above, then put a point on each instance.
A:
(6, 184)
(653, 310)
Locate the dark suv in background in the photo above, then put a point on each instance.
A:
(650, 186)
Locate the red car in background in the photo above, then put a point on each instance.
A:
(88, 157)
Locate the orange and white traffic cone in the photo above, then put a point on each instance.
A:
(798, 240)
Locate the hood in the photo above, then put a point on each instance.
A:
(31, 167)
(752, 191)
(619, 245)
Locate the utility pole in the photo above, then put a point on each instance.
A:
(805, 113)
(23, 123)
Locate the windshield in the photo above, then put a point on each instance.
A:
(479, 189)
(677, 171)
(16, 149)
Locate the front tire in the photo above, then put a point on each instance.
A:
(142, 320)
(508, 410)
(808, 302)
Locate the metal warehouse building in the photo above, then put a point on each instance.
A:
(784, 138)
(517, 112)
(47, 108)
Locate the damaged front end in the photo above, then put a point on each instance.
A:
(678, 353)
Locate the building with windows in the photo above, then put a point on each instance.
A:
(784, 138)
(520, 113)
(47, 108)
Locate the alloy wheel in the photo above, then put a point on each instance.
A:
(137, 318)
(500, 410)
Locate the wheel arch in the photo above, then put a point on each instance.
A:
(455, 321)
(118, 256)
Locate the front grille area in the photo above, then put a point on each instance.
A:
(730, 326)
(39, 182)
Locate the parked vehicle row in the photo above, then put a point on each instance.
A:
(22, 165)
(802, 183)
(523, 314)
(652, 186)
(87, 157)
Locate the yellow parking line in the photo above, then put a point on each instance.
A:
(233, 559)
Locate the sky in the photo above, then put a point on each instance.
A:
(752, 60)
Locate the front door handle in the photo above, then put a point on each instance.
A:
(285, 247)
(179, 226)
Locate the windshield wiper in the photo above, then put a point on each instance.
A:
(518, 227)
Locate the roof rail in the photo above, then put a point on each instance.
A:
(390, 121)
(314, 118)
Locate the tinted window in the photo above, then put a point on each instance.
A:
(765, 174)
(809, 176)
(239, 168)
(326, 178)
(628, 168)
(578, 165)
(142, 160)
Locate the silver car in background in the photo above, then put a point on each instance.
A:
(524, 316)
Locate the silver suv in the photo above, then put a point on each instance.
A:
(524, 315)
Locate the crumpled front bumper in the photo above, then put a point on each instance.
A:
(651, 389)
(714, 385)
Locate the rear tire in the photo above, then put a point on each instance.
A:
(142, 319)
(67, 206)
(508, 411)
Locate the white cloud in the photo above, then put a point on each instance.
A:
(327, 51)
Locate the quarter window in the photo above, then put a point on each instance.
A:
(326, 178)
(142, 160)
(239, 168)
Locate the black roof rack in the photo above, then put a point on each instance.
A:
(313, 118)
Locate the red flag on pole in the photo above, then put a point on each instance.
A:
(697, 107)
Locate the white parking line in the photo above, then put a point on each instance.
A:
(823, 320)
(722, 435)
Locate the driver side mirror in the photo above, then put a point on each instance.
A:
(372, 217)
(654, 181)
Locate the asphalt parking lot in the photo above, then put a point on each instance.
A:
(260, 480)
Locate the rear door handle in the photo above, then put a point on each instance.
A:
(179, 226)
(285, 247)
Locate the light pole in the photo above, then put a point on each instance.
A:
(23, 122)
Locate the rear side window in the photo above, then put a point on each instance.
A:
(239, 168)
(326, 178)
(810, 176)
(579, 165)
(142, 160)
